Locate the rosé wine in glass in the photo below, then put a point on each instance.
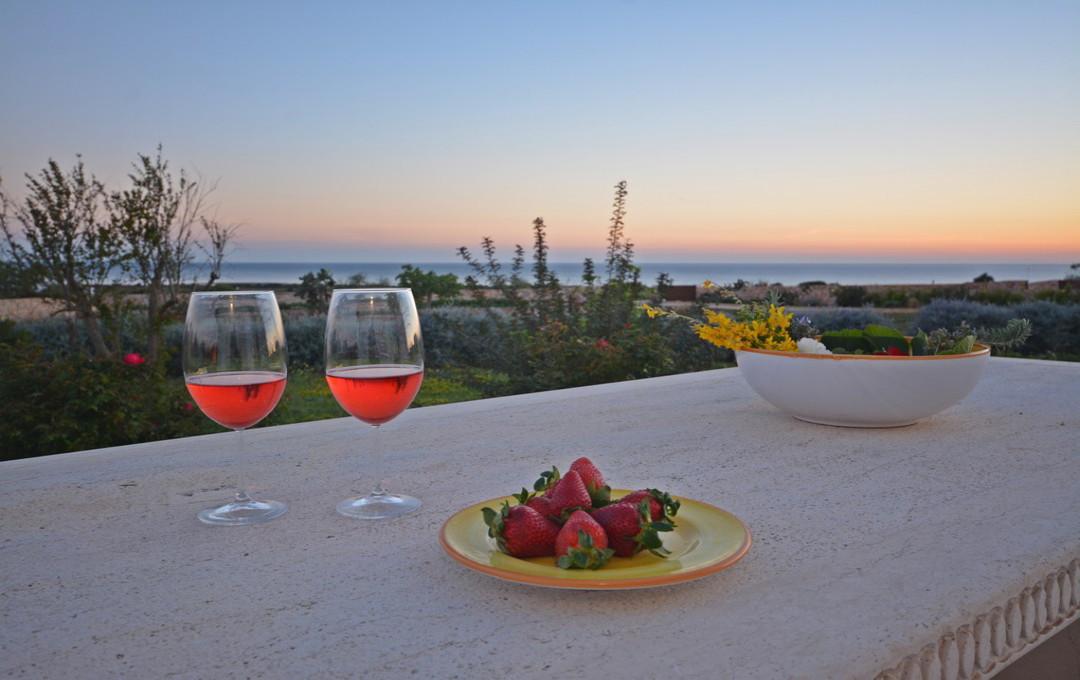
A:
(237, 400)
(375, 394)
(234, 368)
(374, 367)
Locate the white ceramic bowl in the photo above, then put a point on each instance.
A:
(861, 391)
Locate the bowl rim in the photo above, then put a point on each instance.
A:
(982, 350)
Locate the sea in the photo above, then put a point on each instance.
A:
(786, 273)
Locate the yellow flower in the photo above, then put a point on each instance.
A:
(768, 333)
(653, 312)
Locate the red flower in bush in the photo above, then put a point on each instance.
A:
(134, 359)
(188, 407)
(603, 344)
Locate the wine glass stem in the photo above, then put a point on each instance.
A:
(377, 462)
(241, 448)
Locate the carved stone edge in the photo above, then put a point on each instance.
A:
(994, 639)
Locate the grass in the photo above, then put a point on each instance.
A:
(308, 398)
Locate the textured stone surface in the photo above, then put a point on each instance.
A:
(869, 544)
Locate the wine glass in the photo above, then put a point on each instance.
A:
(234, 367)
(374, 366)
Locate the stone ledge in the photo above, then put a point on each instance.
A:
(999, 637)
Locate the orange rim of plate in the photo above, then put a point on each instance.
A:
(671, 578)
(982, 350)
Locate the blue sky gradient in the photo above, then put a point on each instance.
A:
(775, 131)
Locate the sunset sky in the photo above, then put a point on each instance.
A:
(383, 131)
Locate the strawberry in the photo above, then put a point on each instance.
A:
(662, 507)
(521, 531)
(569, 494)
(599, 492)
(582, 543)
(541, 504)
(630, 529)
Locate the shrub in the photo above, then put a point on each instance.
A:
(850, 296)
(70, 403)
(315, 290)
(997, 297)
(950, 313)
(428, 285)
(816, 296)
(839, 319)
(1055, 328)
(305, 339)
(891, 299)
(1061, 296)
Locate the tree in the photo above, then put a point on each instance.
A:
(154, 217)
(663, 282)
(219, 236)
(620, 250)
(487, 272)
(614, 304)
(316, 290)
(588, 273)
(66, 241)
(984, 278)
(548, 296)
(16, 281)
(426, 285)
(360, 280)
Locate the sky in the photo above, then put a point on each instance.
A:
(773, 131)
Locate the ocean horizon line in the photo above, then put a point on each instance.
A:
(685, 273)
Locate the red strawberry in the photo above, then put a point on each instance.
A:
(662, 507)
(594, 481)
(630, 529)
(521, 531)
(569, 494)
(541, 504)
(582, 543)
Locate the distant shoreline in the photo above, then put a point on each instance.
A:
(688, 273)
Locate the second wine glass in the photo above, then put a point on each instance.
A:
(374, 366)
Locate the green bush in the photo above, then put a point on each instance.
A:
(1061, 296)
(839, 319)
(69, 403)
(1055, 328)
(997, 297)
(850, 296)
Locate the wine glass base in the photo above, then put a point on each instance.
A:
(239, 513)
(383, 506)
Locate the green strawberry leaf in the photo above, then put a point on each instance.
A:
(489, 518)
(547, 479)
(523, 497)
(600, 497)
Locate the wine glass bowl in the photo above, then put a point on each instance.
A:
(234, 360)
(374, 368)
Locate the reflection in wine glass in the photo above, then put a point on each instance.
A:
(234, 367)
(374, 366)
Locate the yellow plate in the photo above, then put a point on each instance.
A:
(706, 540)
